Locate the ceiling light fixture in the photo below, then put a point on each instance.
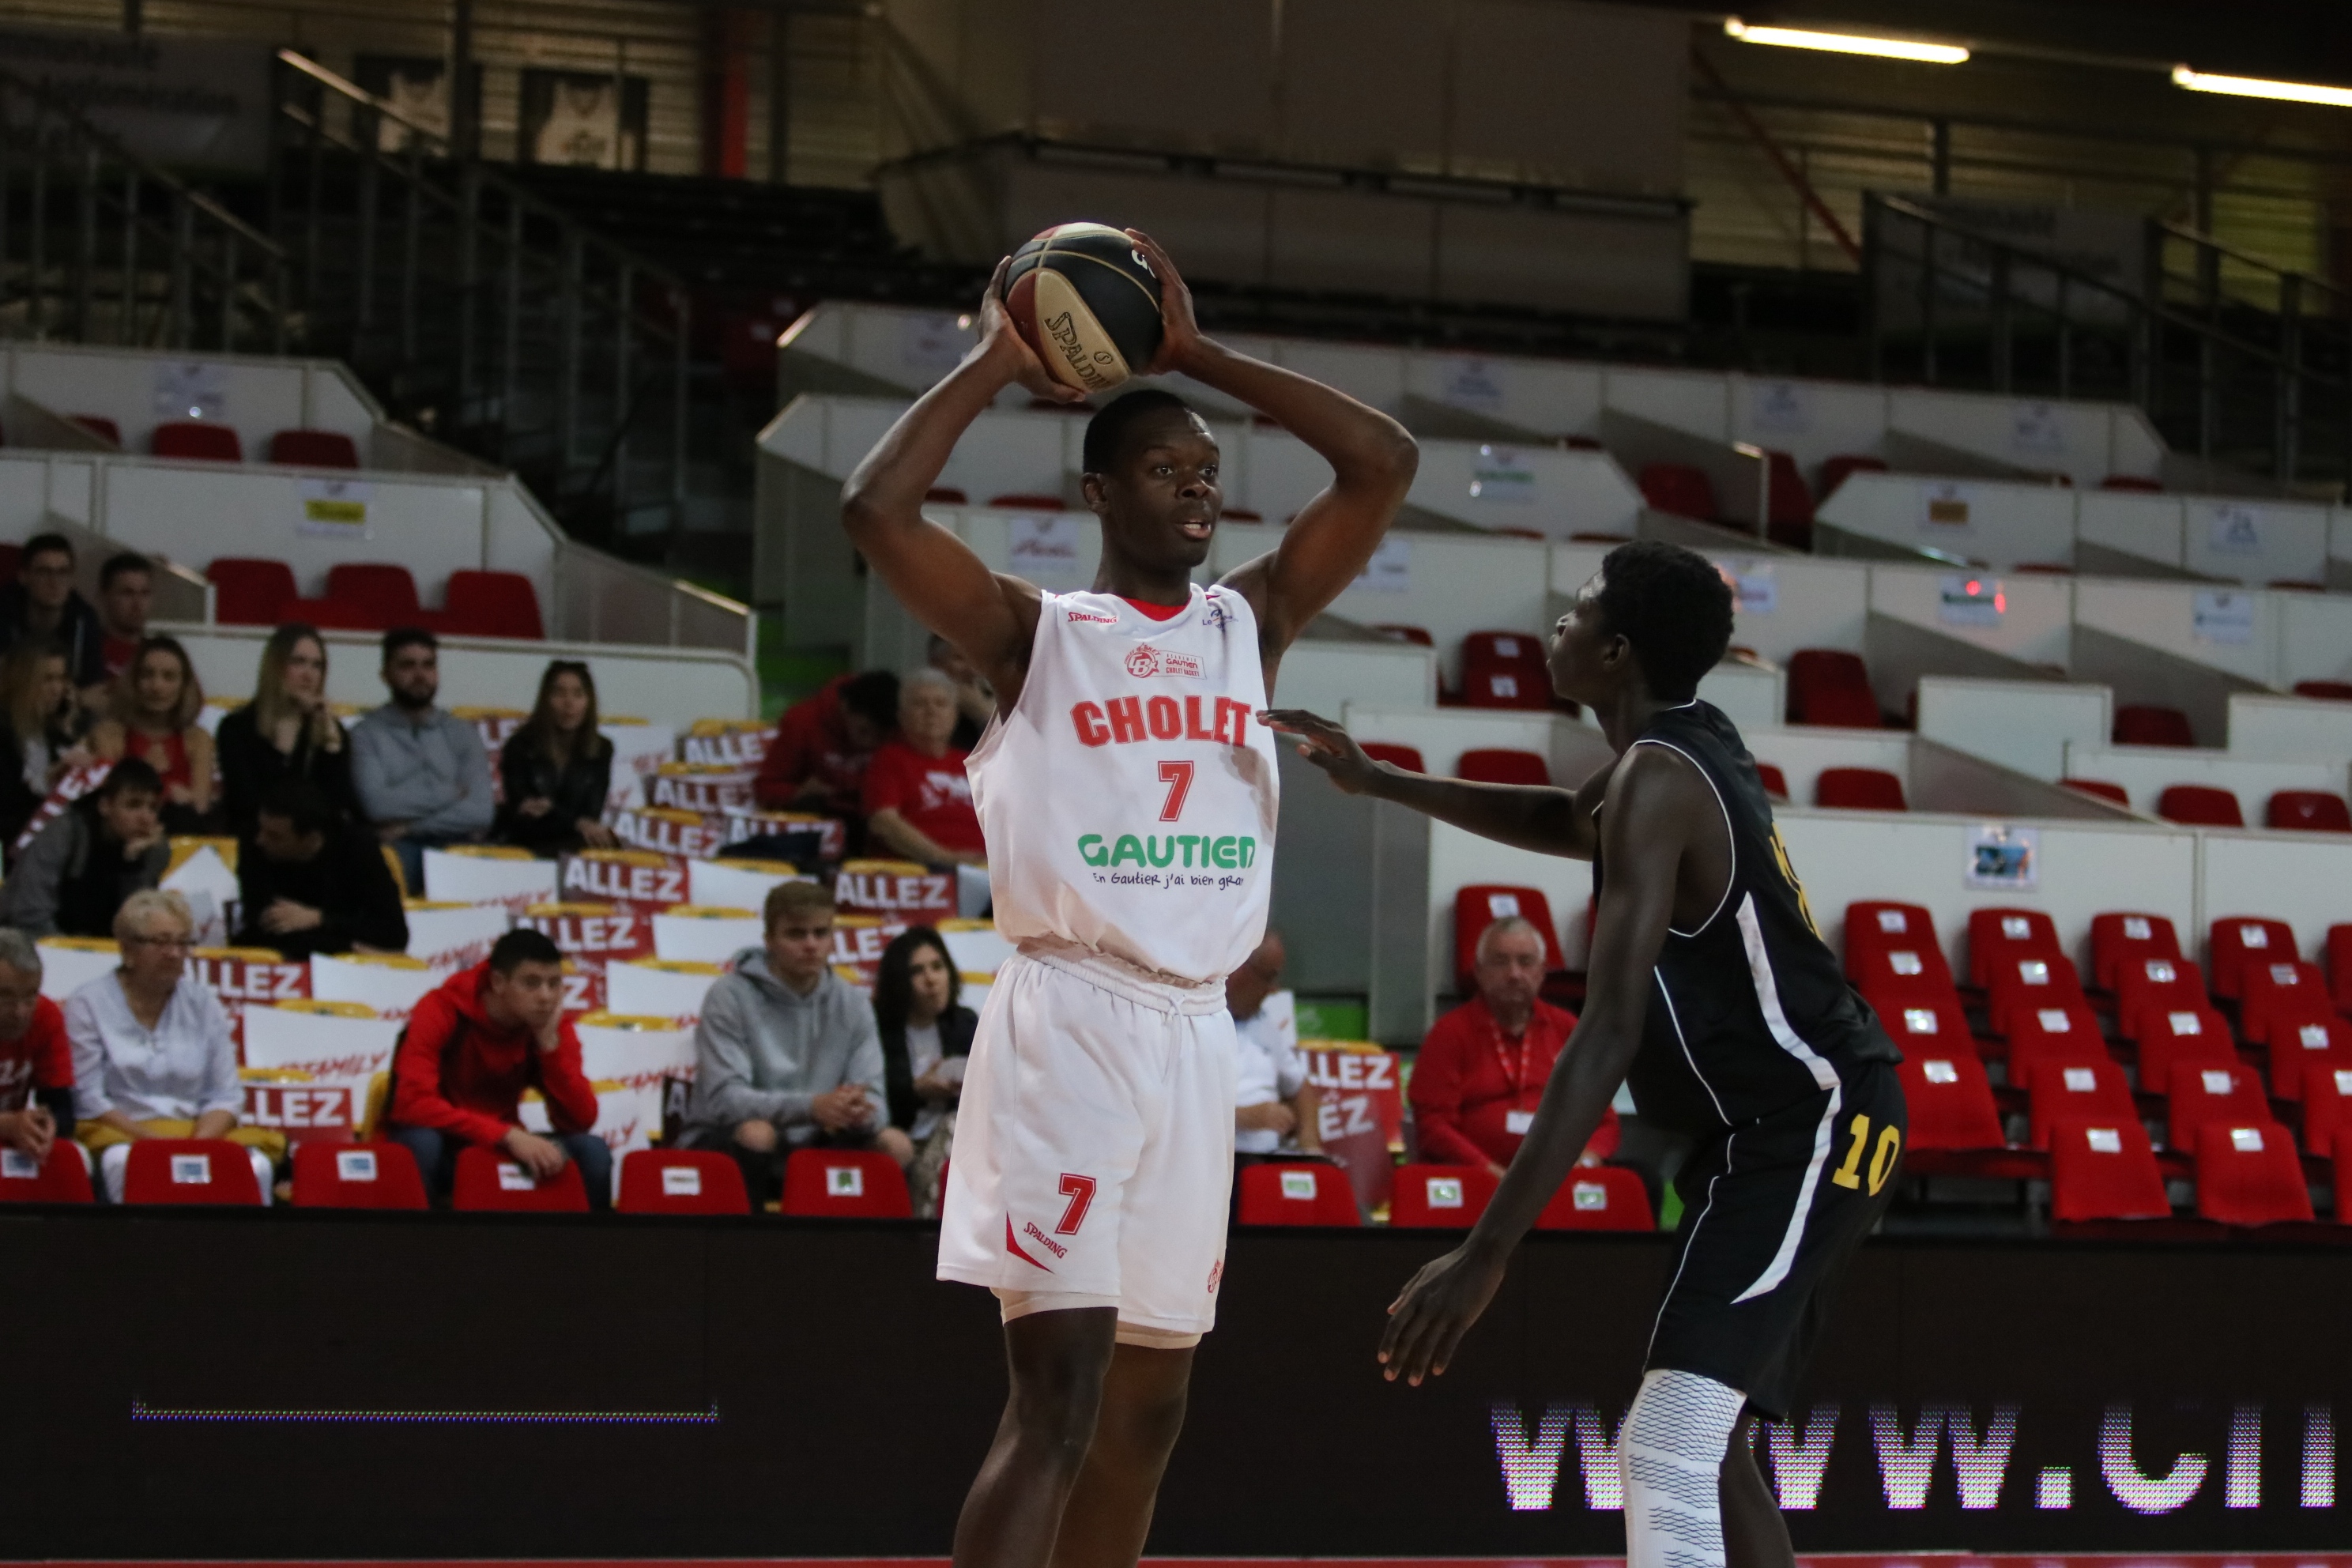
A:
(2255, 86)
(1846, 43)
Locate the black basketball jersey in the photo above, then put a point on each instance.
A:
(1751, 1013)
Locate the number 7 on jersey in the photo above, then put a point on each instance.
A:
(1178, 778)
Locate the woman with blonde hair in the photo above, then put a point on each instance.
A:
(155, 701)
(40, 738)
(288, 730)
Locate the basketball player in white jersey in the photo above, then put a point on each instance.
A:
(1127, 793)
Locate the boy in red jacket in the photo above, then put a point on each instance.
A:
(472, 1047)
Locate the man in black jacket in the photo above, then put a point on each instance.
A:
(43, 603)
(310, 883)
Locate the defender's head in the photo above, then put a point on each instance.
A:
(1151, 476)
(1654, 620)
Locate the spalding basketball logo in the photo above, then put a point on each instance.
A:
(1147, 661)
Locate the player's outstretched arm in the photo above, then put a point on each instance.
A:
(936, 575)
(1373, 460)
(1652, 800)
(1525, 816)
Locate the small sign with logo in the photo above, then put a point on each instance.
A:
(192, 1169)
(334, 509)
(355, 1165)
(1755, 585)
(1044, 550)
(2003, 857)
(1779, 407)
(2223, 618)
(681, 1182)
(1945, 505)
(513, 1178)
(1970, 601)
(1298, 1185)
(1473, 383)
(2233, 528)
(1502, 475)
(845, 1181)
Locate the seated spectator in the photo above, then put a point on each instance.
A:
(310, 883)
(472, 1047)
(420, 772)
(36, 1100)
(926, 1039)
(126, 596)
(557, 769)
(152, 1052)
(918, 798)
(816, 761)
(976, 703)
(43, 605)
(91, 857)
(154, 706)
(42, 741)
(1484, 1065)
(787, 1054)
(1274, 1105)
(286, 731)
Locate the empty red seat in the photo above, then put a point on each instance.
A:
(1949, 1099)
(251, 592)
(2119, 937)
(488, 1181)
(2324, 691)
(386, 591)
(2339, 965)
(100, 425)
(2060, 1091)
(1405, 757)
(1025, 500)
(1997, 935)
(2228, 1092)
(1789, 504)
(1480, 905)
(1440, 1197)
(2308, 811)
(1859, 789)
(190, 1171)
(1875, 925)
(196, 438)
(1924, 1025)
(846, 1183)
(2150, 726)
(492, 604)
(62, 1178)
(1835, 469)
(2240, 940)
(2275, 997)
(1502, 765)
(2146, 988)
(2100, 787)
(2182, 1039)
(2199, 806)
(2305, 1049)
(1679, 489)
(2028, 984)
(1775, 782)
(2326, 1115)
(1504, 669)
(314, 450)
(356, 1176)
(2249, 1174)
(2061, 1033)
(2104, 1168)
(2133, 482)
(1831, 686)
(682, 1180)
(1599, 1198)
(1296, 1195)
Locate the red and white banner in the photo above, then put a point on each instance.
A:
(487, 874)
(825, 835)
(700, 787)
(636, 877)
(1361, 1119)
(301, 1108)
(239, 975)
(727, 742)
(72, 785)
(455, 936)
(638, 748)
(689, 835)
(738, 884)
(589, 936)
(318, 1049)
(857, 944)
(628, 1116)
(902, 889)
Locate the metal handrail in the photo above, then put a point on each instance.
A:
(2229, 252)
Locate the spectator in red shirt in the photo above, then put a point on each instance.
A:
(918, 798)
(1483, 1067)
(36, 1104)
(473, 1046)
(817, 760)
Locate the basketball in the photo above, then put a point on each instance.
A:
(1082, 297)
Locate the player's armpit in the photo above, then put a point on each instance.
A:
(1654, 802)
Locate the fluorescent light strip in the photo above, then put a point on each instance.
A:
(2255, 86)
(1846, 43)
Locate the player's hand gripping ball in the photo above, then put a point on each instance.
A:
(1087, 302)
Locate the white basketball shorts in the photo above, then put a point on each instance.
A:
(1094, 1150)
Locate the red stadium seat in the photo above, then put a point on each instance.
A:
(1902, 975)
(1480, 905)
(385, 591)
(2249, 1174)
(2148, 726)
(2240, 940)
(945, 494)
(2119, 937)
(2148, 988)
(492, 604)
(2064, 1033)
(356, 1176)
(2279, 995)
(2023, 985)
(2199, 806)
(1933, 1027)
(846, 1183)
(2339, 967)
(1859, 789)
(2309, 1048)
(1405, 757)
(333, 615)
(2103, 1168)
(2133, 482)
(2308, 811)
(1440, 1197)
(1679, 489)
(2326, 1115)
(1501, 765)
(2060, 1091)
(489, 1182)
(1297, 1194)
(196, 438)
(314, 450)
(2231, 1094)
(1949, 1099)
(1504, 669)
(1831, 686)
(1023, 500)
(1789, 506)
(2183, 1040)
(1599, 1198)
(1775, 782)
(190, 1171)
(98, 424)
(1395, 632)
(62, 1178)
(682, 1180)
(1835, 469)
(2100, 787)
(1997, 935)
(251, 592)
(2324, 691)
(1872, 925)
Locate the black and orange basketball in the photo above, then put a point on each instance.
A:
(1082, 296)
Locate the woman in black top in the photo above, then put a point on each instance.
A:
(557, 770)
(288, 730)
(926, 1039)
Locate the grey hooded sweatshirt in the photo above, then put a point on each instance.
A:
(762, 1051)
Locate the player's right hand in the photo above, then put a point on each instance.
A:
(1002, 341)
(1435, 1308)
(1325, 745)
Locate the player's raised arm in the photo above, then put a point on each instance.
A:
(936, 575)
(1373, 460)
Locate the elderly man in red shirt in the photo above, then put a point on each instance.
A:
(1483, 1066)
(917, 796)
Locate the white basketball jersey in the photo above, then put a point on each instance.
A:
(1129, 801)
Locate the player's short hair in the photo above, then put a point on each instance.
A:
(1509, 925)
(1673, 607)
(790, 901)
(1108, 432)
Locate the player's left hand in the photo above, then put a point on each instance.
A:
(1325, 745)
(1180, 334)
(1436, 1308)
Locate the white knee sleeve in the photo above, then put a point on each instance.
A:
(1670, 1460)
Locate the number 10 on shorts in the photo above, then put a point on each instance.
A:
(1081, 1191)
(1881, 1158)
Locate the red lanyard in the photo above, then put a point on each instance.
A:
(1516, 1075)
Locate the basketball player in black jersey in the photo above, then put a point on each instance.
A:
(1711, 993)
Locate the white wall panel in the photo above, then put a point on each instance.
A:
(2146, 771)
(2289, 728)
(1801, 753)
(2035, 613)
(1810, 420)
(2303, 879)
(2164, 615)
(2024, 725)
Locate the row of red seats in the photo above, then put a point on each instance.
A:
(374, 597)
(1438, 1197)
(2203, 805)
(1832, 686)
(208, 442)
